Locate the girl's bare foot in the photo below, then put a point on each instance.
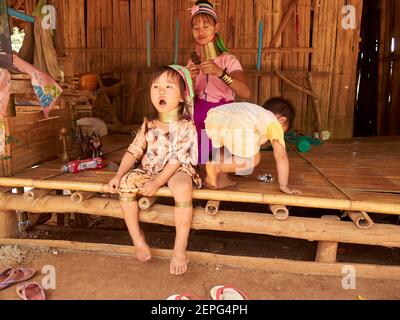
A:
(143, 252)
(212, 176)
(178, 265)
(224, 181)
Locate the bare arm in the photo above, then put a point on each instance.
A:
(282, 167)
(151, 187)
(239, 85)
(169, 170)
(128, 161)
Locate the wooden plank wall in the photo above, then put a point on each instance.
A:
(110, 35)
(35, 139)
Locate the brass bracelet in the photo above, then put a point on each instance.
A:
(184, 205)
(226, 78)
(127, 197)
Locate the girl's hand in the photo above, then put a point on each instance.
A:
(113, 185)
(150, 188)
(287, 190)
(209, 67)
(194, 71)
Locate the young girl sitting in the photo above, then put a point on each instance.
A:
(218, 75)
(239, 130)
(167, 148)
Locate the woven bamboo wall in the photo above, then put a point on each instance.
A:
(110, 36)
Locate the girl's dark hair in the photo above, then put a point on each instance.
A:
(152, 111)
(282, 107)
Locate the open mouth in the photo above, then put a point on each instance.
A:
(162, 102)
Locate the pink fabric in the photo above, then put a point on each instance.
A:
(204, 8)
(194, 10)
(46, 88)
(5, 85)
(211, 88)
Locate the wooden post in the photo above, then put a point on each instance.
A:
(280, 212)
(22, 217)
(327, 250)
(212, 207)
(8, 224)
(80, 220)
(60, 216)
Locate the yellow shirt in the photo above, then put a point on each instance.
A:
(242, 128)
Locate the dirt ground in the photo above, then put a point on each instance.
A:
(81, 276)
(98, 276)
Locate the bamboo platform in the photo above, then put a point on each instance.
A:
(355, 176)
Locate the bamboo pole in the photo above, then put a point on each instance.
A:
(234, 51)
(81, 196)
(327, 250)
(55, 184)
(220, 195)
(280, 212)
(367, 271)
(212, 207)
(315, 105)
(360, 219)
(35, 193)
(383, 67)
(310, 229)
(295, 85)
(146, 203)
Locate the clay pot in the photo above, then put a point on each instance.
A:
(88, 81)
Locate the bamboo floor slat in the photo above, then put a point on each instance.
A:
(370, 165)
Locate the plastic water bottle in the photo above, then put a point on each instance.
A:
(87, 164)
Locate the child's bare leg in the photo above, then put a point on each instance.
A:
(131, 216)
(212, 174)
(181, 187)
(216, 178)
(245, 166)
(217, 173)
